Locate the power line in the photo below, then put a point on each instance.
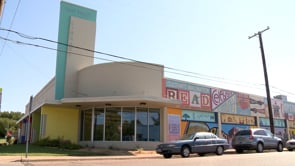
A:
(174, 70)
(116, 56)
(10, 26)
(120, 57)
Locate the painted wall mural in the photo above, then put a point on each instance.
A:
(220, 96)
(238, 119)
(200, 105)
(199, 121)
(173, 127)
(229, 130)
(277, 108)
(243, 104)
(191, 95)
(257, 106)
(227, 106)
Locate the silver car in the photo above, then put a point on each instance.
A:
(200, 142)
(290, 144)
(256, 139)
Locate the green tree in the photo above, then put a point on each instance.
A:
(8, 122)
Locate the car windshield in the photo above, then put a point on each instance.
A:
(188, 137)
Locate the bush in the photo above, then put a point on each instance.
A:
(59, 143)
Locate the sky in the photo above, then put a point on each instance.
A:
(199, 41)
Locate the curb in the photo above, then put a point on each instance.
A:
(78, 158)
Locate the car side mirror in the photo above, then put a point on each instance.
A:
(196, 138)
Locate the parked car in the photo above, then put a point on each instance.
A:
(256, 139)
(200, 142)
(290, 144)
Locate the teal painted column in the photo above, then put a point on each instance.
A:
(67, 10)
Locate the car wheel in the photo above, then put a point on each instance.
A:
(280, 147)
(239, 150)
(185, 151)
(167, 155)
(259, 148)
(219, 150)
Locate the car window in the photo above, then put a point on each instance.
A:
(260, 132)
(243, 132)
(268, 133)
(207, 136)
(187, 137)
(201, 136)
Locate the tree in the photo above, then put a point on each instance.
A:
(8, 122)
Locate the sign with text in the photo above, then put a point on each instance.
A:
(188, 115)
(219, 96)
(238, 119)
(190, 98)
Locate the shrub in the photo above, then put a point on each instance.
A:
(59, 143)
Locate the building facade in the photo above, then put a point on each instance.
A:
(131, 104)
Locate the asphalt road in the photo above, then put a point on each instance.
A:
(268, 158)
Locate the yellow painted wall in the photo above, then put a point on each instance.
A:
(36, 125)
(61, 122)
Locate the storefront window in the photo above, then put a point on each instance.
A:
(142, 124)
(128, 122)
(154, 125)
(121, 124)
(113, 124)
(86, 118)
(99, 124)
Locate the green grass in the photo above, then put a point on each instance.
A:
(35, 150)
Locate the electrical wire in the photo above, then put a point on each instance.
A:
(10, 26)
(120, 57)
(174, 70)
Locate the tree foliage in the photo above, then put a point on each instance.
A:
(8, 122)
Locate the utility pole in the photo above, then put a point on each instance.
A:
(28, 134)
(271, 123)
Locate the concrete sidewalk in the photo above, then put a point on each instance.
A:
(5, 159)
(151, 154)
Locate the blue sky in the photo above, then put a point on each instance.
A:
(207, 37)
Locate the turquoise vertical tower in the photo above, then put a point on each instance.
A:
(69, 11)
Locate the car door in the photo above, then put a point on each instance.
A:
(271, 141)
(199, 144)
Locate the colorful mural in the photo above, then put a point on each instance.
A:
(174, 124)
(243, 104)
(229, 130)
(191, 95)
(220, 96)
(257, 106)
(201, 104)
(238, 119)
(195, 121)
(173, 127)
(277, 108)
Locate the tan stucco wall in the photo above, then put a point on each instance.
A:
(121, 79)
(61, 122)
(81, 34)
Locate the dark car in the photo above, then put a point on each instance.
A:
(200, 142)
(256, 139)
(290, 144)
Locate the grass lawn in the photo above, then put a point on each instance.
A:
(35, 150)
